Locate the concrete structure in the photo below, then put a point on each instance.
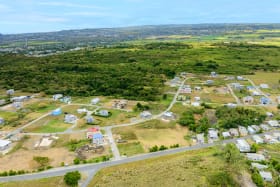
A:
(17, 105)
(266, 176)
(66, 99)
(213, 134)
(209, 82)
(213, 74)
(264, 101)
(265, 127)
(57, 97)
(240, 78)
(4, 144)
(89, 119)
(257, 139)
(98, 139)
(175, 82)
(231, 105)
(195, 104)
(20, 98)
(82, 110)
(243, 146)
(186, 89)
(255, 157)
(200, 138)
(10, 92)
(237, 86)
(146, 115)
(270, 139)
(168, 116)
(256, 128)
(251, 130)
(95, 101)
(273, 123)
(226, 134)
(259, 166)
(243, 131)
(197, 99)
(264, 86)
(269, 114)
(197, 88)
(233, 132)
(70, 118)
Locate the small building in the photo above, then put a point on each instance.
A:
(233, 132)
(273, 123)
(197, 88)
(70, 118)
(195, 104)
(259, 166)
(255, 157)
(213, 134)
(269, 139)
(92, 131)
(256, 128)
(264, 86)
(226, 134)
(278, 99)
(251, 130)
(4, 144)
(66, 99)
(231, 105)
(98, 139)
(258, 139)
(200, 138)
(17, 105)
(243, 146)
(2, 121)
(213, 74)
(10, 92)
(266, 176)
(237, 86)
(120, 104)
(186, 90)
(264, 101)
(2, 102)
(82, 110)
(103, 113)
(197, 99)
(175, 82)
(57, 97)
(146, 115)
(276, 135)
(20, 98)
(95, 101)
(256, 93)
(269, 114)
(89, 119)
(243, 131)
(168, 116)
(248, 100)
(209, 82)
(56, 112)
(265, 127)
(240, 78)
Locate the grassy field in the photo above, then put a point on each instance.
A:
(191, 169)
(130, 149)
(47, 182)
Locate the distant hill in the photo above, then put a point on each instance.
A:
(105, 36)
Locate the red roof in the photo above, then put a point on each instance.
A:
(93, 129)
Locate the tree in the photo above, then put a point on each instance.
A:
(231, 154)
(42, 161)
(72, 178)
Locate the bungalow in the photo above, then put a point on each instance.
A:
(269, 115)
(269, 139)
(89, 119)
(57, 97)
(213, 134)
(226, 134)
(209, 82)
(231, 105)
(233, 132)
(264, 86)
(145, 115)
(266, 176)
(175, 82)
(258, 139)
(17, 105)
(197, 99)
(256, 128)
(66, 99)
(264, 101)
(95, 101)
(256, 93)
(213, 74)
(19, 99)
(229, 78)
(248, 100)
(2, 121)
(168, 116)
(195, 104)
(265, 127)
(186, 89)
(92, 131)
(242, 145)
(243, 131)
(237, 86)
(250, 88)
(104, 113)
(4, 144)
(200, 138)
(56, 112)
(98, 139)
(276, 135)
(251, 130)
(82, 110)
(255, 157)
(70, 118)
(10, 92)
(240, 78)
(259, 166)
(273, 123)
(197, 88)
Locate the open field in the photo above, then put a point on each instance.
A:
(193, 168)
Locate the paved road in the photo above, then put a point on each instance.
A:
(233, 94)
(113, 144)
(96, 167)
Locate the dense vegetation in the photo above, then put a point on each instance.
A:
(130, 71)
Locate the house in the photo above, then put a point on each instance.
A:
(229, 78)
(213, 134)
(269, 114)
(226, 134)
(95, 101)
(265, 127)
(120, 104)
(103, 113)
(175, 82)
(259, 166)
(17, 105)
(233, 132)
(195, 104)
(266, 176)
(237, 86)
(276, 135)
(251, 88)
(269, 139)
(89, 119)
(273, 123)
(197, 99)
(197, 88)
(256, 128)
(255, 157)
(98, 139)
(56, 112)
(278, 99)
(243, 131)
(70, 118)
(251, 130)
(248, 100)
(209, 82)
(4, 144)
(145, 115)
(10, 92)
(258, 139)
(20, 98)
(240, 78)
(264, 86)
(264, 101)
(2, 121)
(200, 138)
(57, 97)
(2, 101)
(186, 90)
(213, 74)
(82, 110)
(231, 105)
(92, 131)
(255, 93)
(168, 116)
(243, 146)
(66, 99)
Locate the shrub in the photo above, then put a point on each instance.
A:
(76, 161)
(72, 178)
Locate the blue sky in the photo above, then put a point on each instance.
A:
(21, 16)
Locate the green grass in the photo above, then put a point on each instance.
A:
(49, 126)
(129, 149)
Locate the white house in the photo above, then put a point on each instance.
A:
(240, 78)
(200, 138)
(231, 105)
(70, 118)
(233, 132)
(10, 92)
(242, 145)
(273, 123)
(259, 166)
(226, 134)
(266, 176)
(258, 139)
(213, 134)
(95, 101)
(256, 128)
(269, 114)
(209, 82)
(265, 127)
(243, 131)
(168, 116)
(255, 157)
(57, 97)
(82, 110)
(195, 104)
(264, 86)
(104, 113)
(251, 130)
(4, 144)
(145, 115)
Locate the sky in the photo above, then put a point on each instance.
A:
(23, 16)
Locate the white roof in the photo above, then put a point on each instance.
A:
(273, 123)
(225, 134)
(46, 142)
(4, 143)
(259, 166)
(266, 175)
